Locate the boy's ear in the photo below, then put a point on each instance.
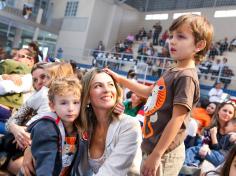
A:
(200, 45)
(52, 107)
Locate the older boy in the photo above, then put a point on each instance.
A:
(172, 97)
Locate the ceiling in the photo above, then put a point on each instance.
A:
(162, 5)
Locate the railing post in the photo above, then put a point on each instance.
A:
(163, 66)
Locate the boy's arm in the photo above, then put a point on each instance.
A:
(44, 147)
(153, 161)
(185, 95)
(139, 89)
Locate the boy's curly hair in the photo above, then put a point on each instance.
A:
(63, 86)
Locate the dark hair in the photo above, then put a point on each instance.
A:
(233, 121)
(35, 47)
(131, 73)
(215, 118)
(204, 103)
(229, 159)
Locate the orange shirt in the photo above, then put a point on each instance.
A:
(200, 114)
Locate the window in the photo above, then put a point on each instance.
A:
(71, 8)
(163, 16)
(176, 15)
(11, 3)
(225, 13)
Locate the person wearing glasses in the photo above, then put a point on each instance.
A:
(15, 82)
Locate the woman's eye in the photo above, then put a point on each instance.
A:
(43, 76)
(111, 84)
(98, 85)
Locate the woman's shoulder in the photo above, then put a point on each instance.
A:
(128, 120)
(41, 94)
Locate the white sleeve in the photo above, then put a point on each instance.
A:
(127, 153)
(211, 92)
(8, 86)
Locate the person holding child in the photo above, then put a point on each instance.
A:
(172, 97)
(217, 138)
(30, 110)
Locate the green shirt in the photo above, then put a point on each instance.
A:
(131, 111)
(10, 66)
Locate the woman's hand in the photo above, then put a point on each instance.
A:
(114, 75)
(204, 150)
(213, 131)
(232, 138)
(28, 163)
(21, 136)
(119, 108)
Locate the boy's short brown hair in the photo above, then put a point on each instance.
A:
(63, 86)
(201, 28)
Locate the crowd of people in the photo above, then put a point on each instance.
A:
(56, 120)
(158, 59)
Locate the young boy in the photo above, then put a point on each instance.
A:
(54, 137)
(172, 97)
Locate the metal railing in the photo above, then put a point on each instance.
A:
(148, 68)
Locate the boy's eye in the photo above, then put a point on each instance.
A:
(77, 102)
(181, 36)
(171, 36)
(63, 103)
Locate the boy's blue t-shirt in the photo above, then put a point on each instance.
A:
(176, 86)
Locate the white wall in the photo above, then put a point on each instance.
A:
(111, 22)
(130, 21)
(99, 25)
(73, 34)
(58, 8)
(222, 26)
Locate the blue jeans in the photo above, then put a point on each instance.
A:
(192, 158)
(4, 114)
(215, 157)
(2, 128)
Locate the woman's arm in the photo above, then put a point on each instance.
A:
(19, 117)
(16, 84)
(126, 152)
